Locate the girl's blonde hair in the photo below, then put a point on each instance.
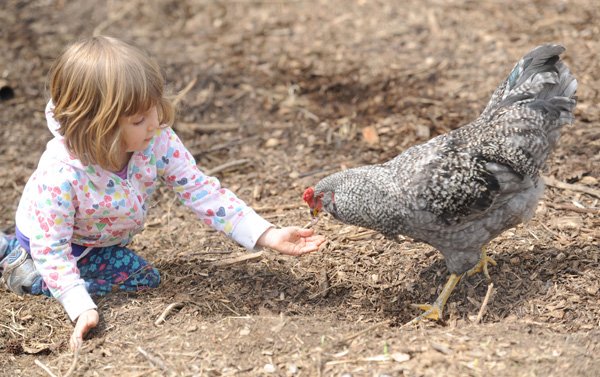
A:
(95, 82)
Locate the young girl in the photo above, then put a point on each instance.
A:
(88, 197)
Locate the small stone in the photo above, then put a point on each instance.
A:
(272, 142)
(561, 257)
(423, 132)
(292, 369)
(588, 180)
(245, 331)
(568, 222)
(270, 368)
(558, 313)
(370, 135)
(400, 357)
(592, 290)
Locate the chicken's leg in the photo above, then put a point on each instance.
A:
(435, 311)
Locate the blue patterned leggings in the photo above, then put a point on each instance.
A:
(111, 269)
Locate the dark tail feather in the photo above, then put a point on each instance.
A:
(540, 80)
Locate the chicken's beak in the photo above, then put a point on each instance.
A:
(314, 212)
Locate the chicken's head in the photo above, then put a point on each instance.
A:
(315, 203)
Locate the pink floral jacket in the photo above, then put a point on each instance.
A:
(67, 202)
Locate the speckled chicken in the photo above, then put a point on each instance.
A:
(462, 189)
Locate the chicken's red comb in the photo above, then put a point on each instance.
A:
(309, 193)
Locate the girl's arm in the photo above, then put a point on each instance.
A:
(214, 205)
(52, 201)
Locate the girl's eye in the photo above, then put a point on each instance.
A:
(138, 122)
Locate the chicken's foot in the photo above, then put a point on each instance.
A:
(435, 311)
(482, 265)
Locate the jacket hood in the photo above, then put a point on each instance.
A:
(56, 149)
(53, 125)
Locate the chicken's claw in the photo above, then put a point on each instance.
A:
(435, 310)
(482, 265)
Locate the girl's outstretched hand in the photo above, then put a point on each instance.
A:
(86, 321)
(291, 240)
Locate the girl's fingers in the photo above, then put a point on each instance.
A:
(297, 241)
(86, 321)
(309, 247)
(78, 333)
(75, 342)
(315, 240)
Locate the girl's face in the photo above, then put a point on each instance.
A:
(137, 130)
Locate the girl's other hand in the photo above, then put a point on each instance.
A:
(291, 240)
(86, 321)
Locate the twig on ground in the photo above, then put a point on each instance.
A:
(13, 330)
(485, 302)
(230, 309)
(44, 367)
(69, 371)
(434, 26)
(567, 207)
(550, 230)
(320, 363)
(210, 252)
(243, 258)
(227, 165)
(551, 181)
(155, 361)
(161, 318)
(184, 91)
(73, 363)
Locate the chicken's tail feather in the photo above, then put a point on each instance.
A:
(541, 81)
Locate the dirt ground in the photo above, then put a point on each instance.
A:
(289, 91)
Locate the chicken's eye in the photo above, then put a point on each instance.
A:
(328, 198)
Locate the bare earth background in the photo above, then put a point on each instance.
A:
(290, 91)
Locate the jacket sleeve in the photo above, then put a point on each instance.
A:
(214, 205)
(53, 203)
